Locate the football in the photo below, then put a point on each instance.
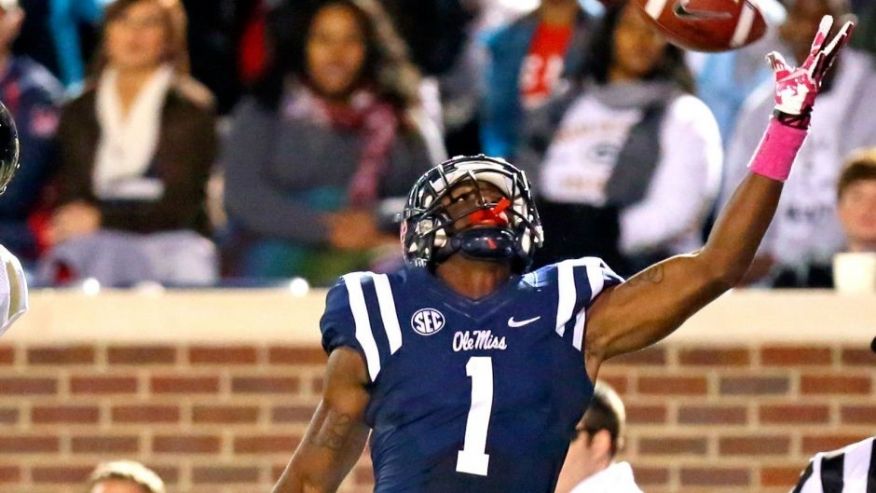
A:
(706, 25)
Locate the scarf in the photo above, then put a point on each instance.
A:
(127, 142)
(374, 120)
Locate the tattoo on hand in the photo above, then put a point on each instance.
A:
(334, 431)
(651, 275)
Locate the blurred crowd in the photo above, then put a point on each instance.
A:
(247, 142)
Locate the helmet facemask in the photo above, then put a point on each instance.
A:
(500, 223)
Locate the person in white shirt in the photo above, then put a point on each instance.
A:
(851, 469)
(590, 464)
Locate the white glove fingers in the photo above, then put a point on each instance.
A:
(777, 62)
(821, 35)
(816, 71)
(840, 39)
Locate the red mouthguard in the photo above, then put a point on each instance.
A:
(492, 215)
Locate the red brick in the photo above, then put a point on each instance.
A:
(184, 385)
(825, 443)
(223, 355)
(265, 385)
(646, 414)
(795, 356)
(715, 476)
(646, 475)
(61, 474)
(225, 474)
(141, 355)
(265, 444)
(106, 445)
(145, 414)
(655, 355)
(10, 474)
(712, 415)
(64, 414)
(292, 414)
(672, 385)
(715, 357)
(74, 355)
(793, 414)
(191, 444)
(7, 355)
(672, 446)
(755, 385)
(755, 445)
(27, 386)
(295, 355)
(858, 357)
(780, 477)
(618, 381)
(835, 384)
(225, 414)
(103, 385)
(170, 474)
(18, 444)
(858, 415)
(9, 415)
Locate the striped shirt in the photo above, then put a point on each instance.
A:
(851, 469)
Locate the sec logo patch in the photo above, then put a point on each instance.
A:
(427, 321)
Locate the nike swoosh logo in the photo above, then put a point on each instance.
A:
(682, 10)
(521, 323)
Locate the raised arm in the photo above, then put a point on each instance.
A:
(336, 435)
(656, 301)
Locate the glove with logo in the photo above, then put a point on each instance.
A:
(796, 88)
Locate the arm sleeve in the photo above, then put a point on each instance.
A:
(337, 325)
(578, 283)
(685, 183)
(252, 200)
(13, 290)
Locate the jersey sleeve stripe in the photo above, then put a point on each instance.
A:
(578, 335)
(567, 295)
(595, 277)
(388, 313)
(832, 473)
(363, 323)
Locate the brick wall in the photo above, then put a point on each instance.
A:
(226, 418)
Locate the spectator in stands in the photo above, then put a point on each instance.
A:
(332, 133)
(136, 149)
(124, 476)
(856, 201)
(805, 232)
(33, 96)
(627, 151)
(590, 466)
(526, 60)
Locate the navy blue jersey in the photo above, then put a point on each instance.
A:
(469, 395)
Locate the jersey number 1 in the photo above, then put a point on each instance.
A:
(472, 459)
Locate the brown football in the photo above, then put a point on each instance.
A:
(706, 25)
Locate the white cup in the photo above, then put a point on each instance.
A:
(854, 272)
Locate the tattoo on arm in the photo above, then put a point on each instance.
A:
(335, 431)
(651, 275)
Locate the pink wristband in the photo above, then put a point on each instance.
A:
(777, 151)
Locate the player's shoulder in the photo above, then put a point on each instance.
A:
(594, 266)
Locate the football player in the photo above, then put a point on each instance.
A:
(13, 287)
(469, 372)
